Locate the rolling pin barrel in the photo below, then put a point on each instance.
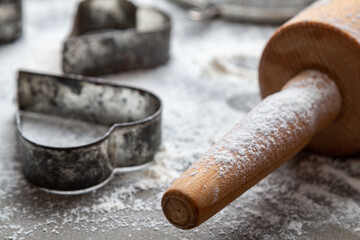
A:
(273, 132)
(309, 75)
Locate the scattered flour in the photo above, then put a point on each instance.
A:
(309, 195)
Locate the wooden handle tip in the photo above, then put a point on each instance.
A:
(180, 210)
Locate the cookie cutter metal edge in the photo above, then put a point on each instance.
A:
(112, 51)
(10, 20)
(83, 168)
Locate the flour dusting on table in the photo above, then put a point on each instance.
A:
(309, 197)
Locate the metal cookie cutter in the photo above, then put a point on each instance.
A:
(114, 35)
(269, 11)
(10, 20)
(131, 116)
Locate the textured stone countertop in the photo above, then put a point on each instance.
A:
(205, 92)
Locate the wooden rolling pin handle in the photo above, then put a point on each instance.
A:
(272, 133)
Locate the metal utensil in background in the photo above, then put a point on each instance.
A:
(269, 11)
(115, 35)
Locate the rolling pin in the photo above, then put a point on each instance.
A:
(309, 78)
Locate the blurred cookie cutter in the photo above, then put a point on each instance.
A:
(133, 116)
(265, 11)
(114, 35)
(10, 20)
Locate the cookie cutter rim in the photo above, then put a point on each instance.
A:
(160, 34)
(108, 132)
(153, 119)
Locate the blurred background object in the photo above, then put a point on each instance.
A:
(10, 20)
(115, 35)
(267, 11)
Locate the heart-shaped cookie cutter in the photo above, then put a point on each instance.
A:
(10, 20)
(132, 115)
(114, 35)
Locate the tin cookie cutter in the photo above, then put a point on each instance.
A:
(131, 116)
(114, 35)
(10, 20)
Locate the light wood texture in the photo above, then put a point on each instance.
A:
(326, 36)
(269, 135)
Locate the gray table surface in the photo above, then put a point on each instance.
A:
(205, 92)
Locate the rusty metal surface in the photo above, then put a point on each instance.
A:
(133, 117)
(10, 20)
(114, 36)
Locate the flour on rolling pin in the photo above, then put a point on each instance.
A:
(277, 118)
(309, 195)
(238, 148)
(307, 75)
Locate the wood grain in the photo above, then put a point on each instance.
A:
(326, 38)
(251, 150)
